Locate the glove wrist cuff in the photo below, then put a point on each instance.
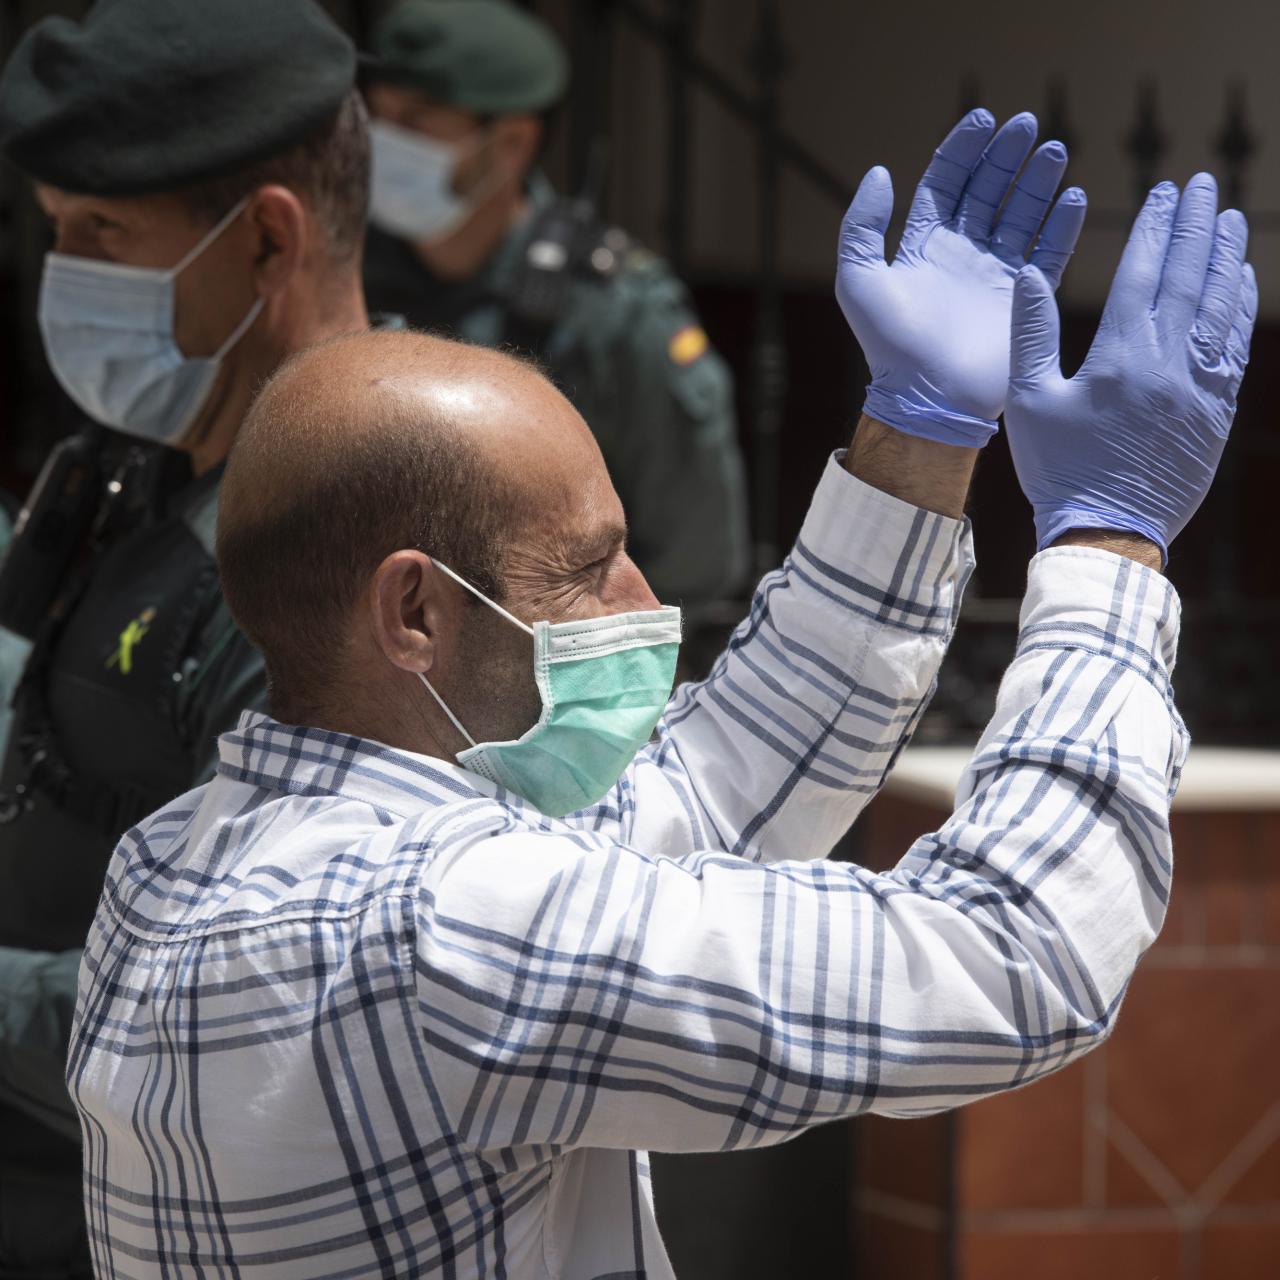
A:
(1052, 523)
(928, 421)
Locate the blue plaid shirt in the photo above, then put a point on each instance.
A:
(348, 1011)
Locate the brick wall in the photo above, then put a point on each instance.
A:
(1155, 1158)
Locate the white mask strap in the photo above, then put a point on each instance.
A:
(457, 724)
(223, 223)
(464, 150)
(480, 595)
(240, 330)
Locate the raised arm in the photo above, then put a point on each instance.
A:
(709, 1002)
(706, 1002)
(775, 754)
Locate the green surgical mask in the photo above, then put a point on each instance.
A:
(604, 683)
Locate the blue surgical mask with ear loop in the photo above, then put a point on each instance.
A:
(411, 191)
(108, 332)
(604, 683)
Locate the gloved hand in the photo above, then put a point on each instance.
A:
(934, 324)
(1133, 440)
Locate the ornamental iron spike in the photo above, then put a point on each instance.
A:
(1057, 120)
(1235, 146)
(1146, 142)
(970, 95)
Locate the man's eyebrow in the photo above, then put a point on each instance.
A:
(597, 545)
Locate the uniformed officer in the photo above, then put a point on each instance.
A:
(468, 238)
(204, 169)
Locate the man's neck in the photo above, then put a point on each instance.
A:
(210, 439)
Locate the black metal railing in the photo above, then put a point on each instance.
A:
(1222, 617)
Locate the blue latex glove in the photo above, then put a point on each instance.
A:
(934, 324)
(1133, 440)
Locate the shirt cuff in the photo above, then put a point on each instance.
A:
(878, 554)
(1086, 599)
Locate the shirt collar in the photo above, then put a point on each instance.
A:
(317, 762)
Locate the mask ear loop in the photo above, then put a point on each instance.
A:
(457, 724)
(240, 330)
(192, 254)
(480, 595)
(210, 236)
(487, 184)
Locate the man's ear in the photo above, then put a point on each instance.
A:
(408, 609)
(280, 224)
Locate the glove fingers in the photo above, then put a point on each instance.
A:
(1242, 329)
(1137, 279)
(867, 219)
(993, 175)
(1029, 202)
(939, 192)
(1224, 277)
(1061, 231)
(1190, 244)
(1034, 329)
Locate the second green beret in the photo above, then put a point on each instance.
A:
(485, 56)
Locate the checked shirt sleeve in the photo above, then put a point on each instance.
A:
(776, 753)
(711, 1002)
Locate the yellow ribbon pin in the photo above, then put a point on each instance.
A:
(130, 638)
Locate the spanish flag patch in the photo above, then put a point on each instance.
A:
(687, 344)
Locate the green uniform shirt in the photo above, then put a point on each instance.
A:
(143, 673)
(630, 354)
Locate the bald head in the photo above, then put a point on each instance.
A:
(361, 402)
(385, 441)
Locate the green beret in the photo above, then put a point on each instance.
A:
(151, 95)
(485, 56)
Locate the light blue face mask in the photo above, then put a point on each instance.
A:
(411, 191)
(108, 334)
(604, 683)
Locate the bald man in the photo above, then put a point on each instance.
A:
(453, 938)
